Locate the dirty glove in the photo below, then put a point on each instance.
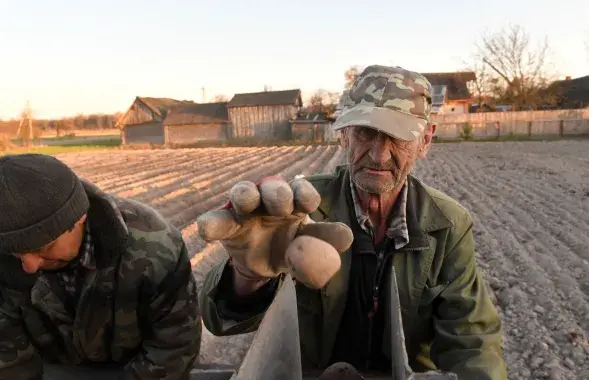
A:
(266, 230)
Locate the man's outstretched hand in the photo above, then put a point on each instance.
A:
(266, 230)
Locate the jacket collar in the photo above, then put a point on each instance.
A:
(109, 230)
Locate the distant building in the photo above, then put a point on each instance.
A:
(311, 127)
(143, 121)
(264, 115)
(191, 123)
(450, 93)
(571, 93)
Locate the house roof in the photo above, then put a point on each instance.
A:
(197, 114)
(572, 92)
(455, 83)
(266, 98)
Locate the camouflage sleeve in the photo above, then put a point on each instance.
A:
(223, 312)
(173, 337)
(468, 328)
(18, 357)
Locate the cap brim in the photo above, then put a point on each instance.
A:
(396, 124)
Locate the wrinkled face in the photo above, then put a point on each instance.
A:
(379, 163)
(56, 254)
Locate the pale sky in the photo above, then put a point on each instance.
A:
(70, 57)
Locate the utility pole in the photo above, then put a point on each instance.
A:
(204, 99)
(27, 121)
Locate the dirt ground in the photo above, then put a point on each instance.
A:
(529, 201)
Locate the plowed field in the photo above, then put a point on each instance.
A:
(530, 203)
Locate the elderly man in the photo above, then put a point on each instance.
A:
(89, 280)
(449, 320)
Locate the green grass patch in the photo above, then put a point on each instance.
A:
(70, 147)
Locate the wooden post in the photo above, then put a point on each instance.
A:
(166, 135)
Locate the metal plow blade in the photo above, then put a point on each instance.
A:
(275, 351)
(400, 361)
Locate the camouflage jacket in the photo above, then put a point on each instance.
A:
(138, 309)
(449, 320)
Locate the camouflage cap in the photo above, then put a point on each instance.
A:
(390, 99)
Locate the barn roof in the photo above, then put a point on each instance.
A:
(158, 106)
(310, 117)
(455, 83)
(266, 98)
(197, 114)
(161, 105)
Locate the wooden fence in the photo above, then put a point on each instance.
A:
(527, 123)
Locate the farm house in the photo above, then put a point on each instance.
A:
(450, 93)
(264, 115)
(143, 121)
(572, 93)
(197, 122)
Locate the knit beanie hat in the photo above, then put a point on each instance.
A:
(40, 199)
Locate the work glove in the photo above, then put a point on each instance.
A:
(266, 230)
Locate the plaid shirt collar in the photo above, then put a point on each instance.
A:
(70, 277)
(397, 230)
(87, 258)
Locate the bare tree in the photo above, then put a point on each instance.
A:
(315, 102)
(517, 72)
(79, 121)
(100, 121)
(267, 88)
(220, 98)
(480, 87)
(350, 76)
(323, 101)
(64, 125)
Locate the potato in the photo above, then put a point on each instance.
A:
(312, 261)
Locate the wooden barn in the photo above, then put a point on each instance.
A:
(264, 115)
(190, 123)
(311, 127)
(143, 121)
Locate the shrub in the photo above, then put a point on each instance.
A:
(466, 133)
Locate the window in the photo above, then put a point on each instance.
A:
(438, 95)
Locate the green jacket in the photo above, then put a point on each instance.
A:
(449, 319)
(138, 309)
